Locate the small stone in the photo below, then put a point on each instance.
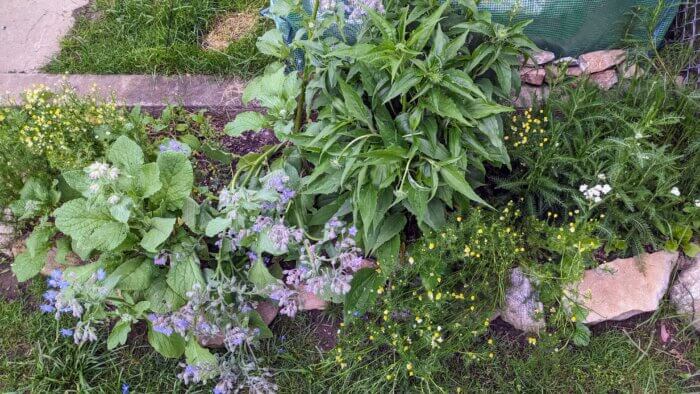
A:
(267, 310)
(71, 260)
(571, 61)
(624, 288)
(605, 79)
(685, 292)
(530, 95)
(553, 72)
(598, 61)
(533, 76)
(522, 304)
(539, 58)
(7, 232)
(628, 71)
(309, 301)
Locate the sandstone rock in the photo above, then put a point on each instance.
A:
(530, 95)
(267, 310)
(571, 71)
(539, 58)
(71, 260)
(7, 232)
(533, 76)
(309, 301)
(522, 304)
(571, 61)
(624, 287)
(685, 292)
(598, 61)
(628, 71)
(605, 79)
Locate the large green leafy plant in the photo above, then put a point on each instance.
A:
(400, 122)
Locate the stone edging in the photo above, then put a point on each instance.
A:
(135, 90)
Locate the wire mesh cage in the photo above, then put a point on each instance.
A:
(686, 29)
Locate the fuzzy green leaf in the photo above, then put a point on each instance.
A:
(90, 223)
(245, 121)
(177, 178)
(159, 232)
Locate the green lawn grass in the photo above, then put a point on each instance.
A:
(157, 36)
(35, 358)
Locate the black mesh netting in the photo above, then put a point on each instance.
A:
(686, 29)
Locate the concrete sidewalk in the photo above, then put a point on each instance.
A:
(31, 30)
(131, 90)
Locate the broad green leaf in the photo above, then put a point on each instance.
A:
(406, 81)
(140, 278)
(217, 226)
(159, 232)
(172, 346)
(272, 43)
(163, 299)
(27, 266)
(121, 211)
(455, 179)
(388, 254)
(125, 154)
(119, 333)
(177, 178)
(353, 103)
(391, 226)
(190, 211)
(184, 273)
(367, 205)
(195, 354)
(363, 292)
(78, 181)
(260, 276)
(146, 181)
(90, 223)
(256, 321)
(421, 35)
(245, 121)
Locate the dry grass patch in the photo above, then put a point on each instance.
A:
(230, 28)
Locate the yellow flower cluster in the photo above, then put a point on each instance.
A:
(526, 127)
(62, 127)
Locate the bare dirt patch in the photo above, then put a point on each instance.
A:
(230, 28)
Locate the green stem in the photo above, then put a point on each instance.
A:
(301, 102)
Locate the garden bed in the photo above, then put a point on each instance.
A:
(380, 220)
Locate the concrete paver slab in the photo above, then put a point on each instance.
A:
(31, 30)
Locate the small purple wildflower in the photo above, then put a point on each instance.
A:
(67, 332)
(101, 274)
(160, 259)
(160, 324)
(50, 295)
(125, 388)
(173, 146)
(352, 231)
(47, 308)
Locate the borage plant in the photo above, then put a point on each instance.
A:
(194, 272)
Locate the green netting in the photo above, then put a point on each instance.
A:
(573, 27)
(565, 27)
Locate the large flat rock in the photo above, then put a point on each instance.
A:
(31, 31)
(623, 288)
(131, 90)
